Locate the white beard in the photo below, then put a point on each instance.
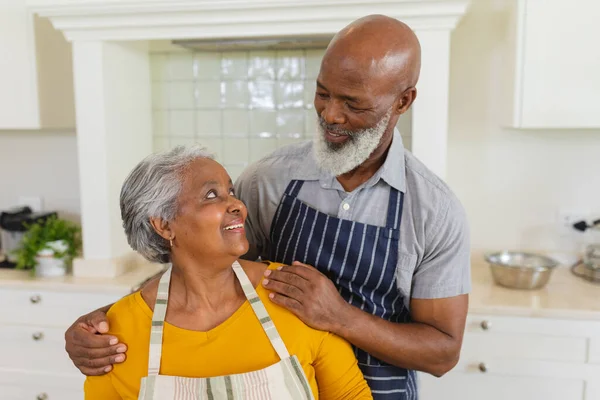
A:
(338, 159)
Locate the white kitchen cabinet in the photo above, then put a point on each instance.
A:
(36, 77)
(522, 358)
(33, 361)
(18, 385)
(553, 63)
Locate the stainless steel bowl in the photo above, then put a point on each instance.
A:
(518, 270)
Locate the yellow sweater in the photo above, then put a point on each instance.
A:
(237, 345)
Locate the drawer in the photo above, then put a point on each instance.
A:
(594, 351)
(542, 326)
(48, 308)
(524, 346)
(34, 348)
(18, 385)
(484, 366)
(465, 386)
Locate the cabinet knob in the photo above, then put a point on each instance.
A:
(38, 336)
(35, 298)
(42, 396)
(486, 325)
(483, 367)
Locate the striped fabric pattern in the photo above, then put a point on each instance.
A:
(361, 260)
(261, 312)
(158, 321)
(284, 380)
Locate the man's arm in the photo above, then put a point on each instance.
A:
(431, 342)
(93, 352)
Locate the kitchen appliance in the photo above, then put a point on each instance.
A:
(519, 270)
(13, 225)
(588, 267)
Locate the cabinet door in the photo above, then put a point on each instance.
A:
(49, 308)
(467, 386)
(18, 80)
(20, 385)
(560, 64)
(32, 348)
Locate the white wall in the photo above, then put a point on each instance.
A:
(35, 163)
(512, 183)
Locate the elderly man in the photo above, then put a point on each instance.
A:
(388, 240)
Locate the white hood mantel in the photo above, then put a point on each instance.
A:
(112, 82)
(149, 20)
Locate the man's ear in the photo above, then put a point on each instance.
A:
(162, 228)
(406, 99)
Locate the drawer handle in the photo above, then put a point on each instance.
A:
(42, 396)
(35, 298)
(486, 325)
(38, 336)
(483, 367)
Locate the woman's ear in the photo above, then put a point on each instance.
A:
(162, 228)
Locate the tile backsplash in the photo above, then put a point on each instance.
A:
(241, 105)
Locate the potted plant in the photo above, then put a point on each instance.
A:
(48, 247)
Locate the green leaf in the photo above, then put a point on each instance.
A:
(40, 233)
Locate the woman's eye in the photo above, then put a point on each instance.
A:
(211, 195)
(322, 95)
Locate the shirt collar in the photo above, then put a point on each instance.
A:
(392, 171)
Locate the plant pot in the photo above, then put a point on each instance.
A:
(47, 265)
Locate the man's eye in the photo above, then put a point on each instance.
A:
(232, 193)
(211, 195)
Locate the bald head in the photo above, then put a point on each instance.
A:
(381, 47)
(366, 82)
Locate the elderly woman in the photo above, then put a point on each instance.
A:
(206, 329)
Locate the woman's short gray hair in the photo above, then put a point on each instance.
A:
(151, 190)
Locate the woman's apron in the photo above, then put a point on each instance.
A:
(361, 260)
(282, 381)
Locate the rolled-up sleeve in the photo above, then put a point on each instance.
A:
(445, 270)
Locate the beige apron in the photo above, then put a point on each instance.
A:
(284, 380)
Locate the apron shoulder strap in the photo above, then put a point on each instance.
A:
(261, 312)
(158, 322)
(394, 211)
(293, 188)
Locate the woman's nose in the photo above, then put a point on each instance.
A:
(236, 205)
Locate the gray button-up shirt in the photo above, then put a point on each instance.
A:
(434, 254)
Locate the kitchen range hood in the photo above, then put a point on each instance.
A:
(259, 43)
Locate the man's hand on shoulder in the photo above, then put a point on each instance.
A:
(93, 351)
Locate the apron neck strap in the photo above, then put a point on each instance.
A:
(261, 312)
(160, 311)
(293, 188)
(158, 322)
(394, 211)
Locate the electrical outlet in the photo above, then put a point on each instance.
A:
(33, 202)
(567, 217)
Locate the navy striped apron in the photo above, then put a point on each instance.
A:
(361, 260)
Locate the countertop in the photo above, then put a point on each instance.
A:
(564, 297)
(17, 279)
